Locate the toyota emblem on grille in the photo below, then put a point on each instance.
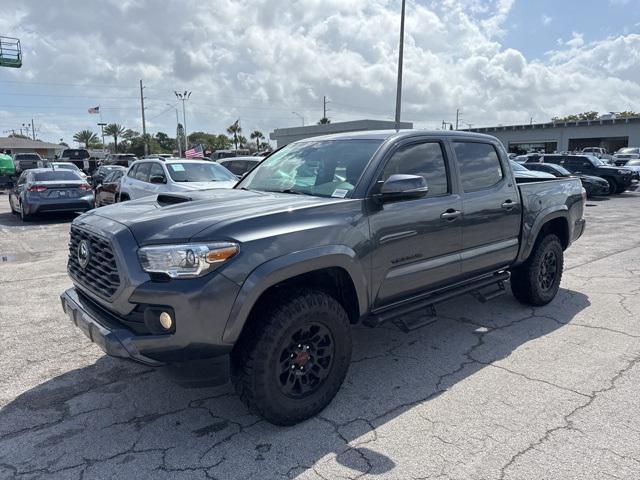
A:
(83, 253)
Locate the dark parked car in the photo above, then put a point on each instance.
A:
(328, 232)
(593, 185)
(102, 171)
(618, 178)
(45, 190)
(240, 165)
(107, 192)
(80, 157)
(26, 161)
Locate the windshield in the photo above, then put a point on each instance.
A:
(596, 161)
(517, 167)
(633, 163)
(54, 176)
(327, 168)
(200, 172)
(629, 150)
(561, 170)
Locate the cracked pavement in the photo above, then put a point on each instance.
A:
(486, 391)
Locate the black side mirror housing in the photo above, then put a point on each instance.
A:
(403, 187)
(157, 179)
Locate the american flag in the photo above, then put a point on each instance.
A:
(94, 109)
(194, 152)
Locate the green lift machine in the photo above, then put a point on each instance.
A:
(10, 52)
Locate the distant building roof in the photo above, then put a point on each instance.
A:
(12, 143)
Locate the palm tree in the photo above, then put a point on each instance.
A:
(257, 135)
(85, 136)
(114, 130)
(235, 130)
(242, 141)
(323, 121)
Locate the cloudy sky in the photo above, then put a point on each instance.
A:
(499, 61)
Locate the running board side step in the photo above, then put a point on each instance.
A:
(416, 312)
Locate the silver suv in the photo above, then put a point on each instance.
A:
(174, 175)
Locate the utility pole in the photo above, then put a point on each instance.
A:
(324, 106)
(457, 117)
(400, 61)
(144, 125)
(33, 129)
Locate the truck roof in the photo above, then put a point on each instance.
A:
(387, 134)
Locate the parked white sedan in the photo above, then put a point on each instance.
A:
(173, 175)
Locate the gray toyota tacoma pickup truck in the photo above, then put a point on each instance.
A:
(325, 233)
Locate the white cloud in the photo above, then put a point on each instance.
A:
(259, 60)
(546, 19)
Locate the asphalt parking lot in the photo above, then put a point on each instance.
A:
(487, 391)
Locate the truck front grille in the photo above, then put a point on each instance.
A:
(100, 275)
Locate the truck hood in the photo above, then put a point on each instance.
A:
(178, 217)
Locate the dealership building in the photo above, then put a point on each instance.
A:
(607, 132)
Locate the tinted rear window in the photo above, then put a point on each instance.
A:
(27, 156)
(55, 176)
(479, 165)
(75, 153)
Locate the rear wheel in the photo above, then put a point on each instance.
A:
(536, 282)
(25, 217)
(291, 362)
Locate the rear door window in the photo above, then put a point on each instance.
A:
(156, 171)
(132, 171)
(56, 175)
(479, 165)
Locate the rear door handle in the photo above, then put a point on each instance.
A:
(508, 205)
(450, 215)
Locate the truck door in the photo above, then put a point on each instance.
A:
(416, 242)
(491, 206)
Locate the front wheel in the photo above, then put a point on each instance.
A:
(536, 282)
(290, 362)
(613, 185)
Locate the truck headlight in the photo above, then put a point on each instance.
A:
(187, 260)
(623, 172)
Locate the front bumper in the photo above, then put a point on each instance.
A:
(112, 338)
(579, 229)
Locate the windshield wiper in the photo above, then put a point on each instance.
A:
(289, 190)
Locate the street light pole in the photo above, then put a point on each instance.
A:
(184, 97)
(300, 116)
(102, 125)
(400, 61)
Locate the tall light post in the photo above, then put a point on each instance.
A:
(102, 125)
(177, 128)
(300, 116)
(400, 61)
(183, 97)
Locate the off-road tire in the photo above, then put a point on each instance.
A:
(527, 283)
(256, 361)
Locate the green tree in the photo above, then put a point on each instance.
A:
(114, 130)
(166, 143)
(324, 121)
(257, 135)
(235, 130)
(576, 117)
(87, 137)
(242, 141)
(626, 114)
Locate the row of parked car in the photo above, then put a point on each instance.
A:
(598, 176)
(63, 186)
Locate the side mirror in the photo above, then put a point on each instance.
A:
(157, 179)
(403, 187)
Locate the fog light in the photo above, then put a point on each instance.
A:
(166, 321)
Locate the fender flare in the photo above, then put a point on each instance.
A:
(530, 234)
(282, 268)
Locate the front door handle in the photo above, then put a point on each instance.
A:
(450, 215)
(508, 205)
